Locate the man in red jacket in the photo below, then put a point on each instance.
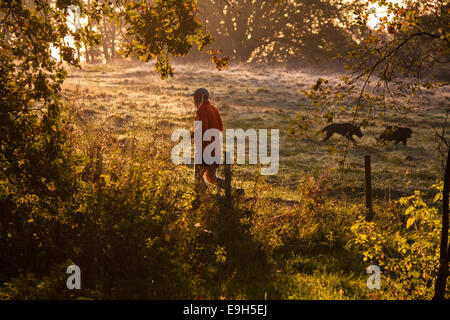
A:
(211, 119)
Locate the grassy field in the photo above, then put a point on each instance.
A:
(131, 101)
(303, 241)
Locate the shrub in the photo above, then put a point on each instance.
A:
(407, 252)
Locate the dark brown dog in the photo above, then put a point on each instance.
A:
(347, 130)
(394, 133)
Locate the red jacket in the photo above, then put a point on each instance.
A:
(210, 118)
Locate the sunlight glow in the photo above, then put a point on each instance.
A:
(74, 22)
(376, 13)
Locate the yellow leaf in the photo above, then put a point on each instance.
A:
(409, 210)
(410, 222)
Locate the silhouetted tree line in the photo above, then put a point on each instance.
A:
(279, 31)
(255, 30)
(110, 32)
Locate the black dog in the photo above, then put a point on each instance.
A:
(395, 133)
(345, 129)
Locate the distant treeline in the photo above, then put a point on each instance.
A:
(254, 30)
(280, 31)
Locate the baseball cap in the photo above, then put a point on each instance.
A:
(200, 92)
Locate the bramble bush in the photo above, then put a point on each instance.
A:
(407, 250)
(119, 230)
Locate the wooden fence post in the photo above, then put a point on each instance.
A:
(368, 187)
(228, 177)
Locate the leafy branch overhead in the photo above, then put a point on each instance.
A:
(164, 29)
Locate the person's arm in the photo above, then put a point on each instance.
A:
(201, 116)
(196, 118)
(220, 121)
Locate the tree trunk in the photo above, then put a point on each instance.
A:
(105, 40)
(441, 281)
(113, 41)
(86, 46)
(113, 37)
(86, 49)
